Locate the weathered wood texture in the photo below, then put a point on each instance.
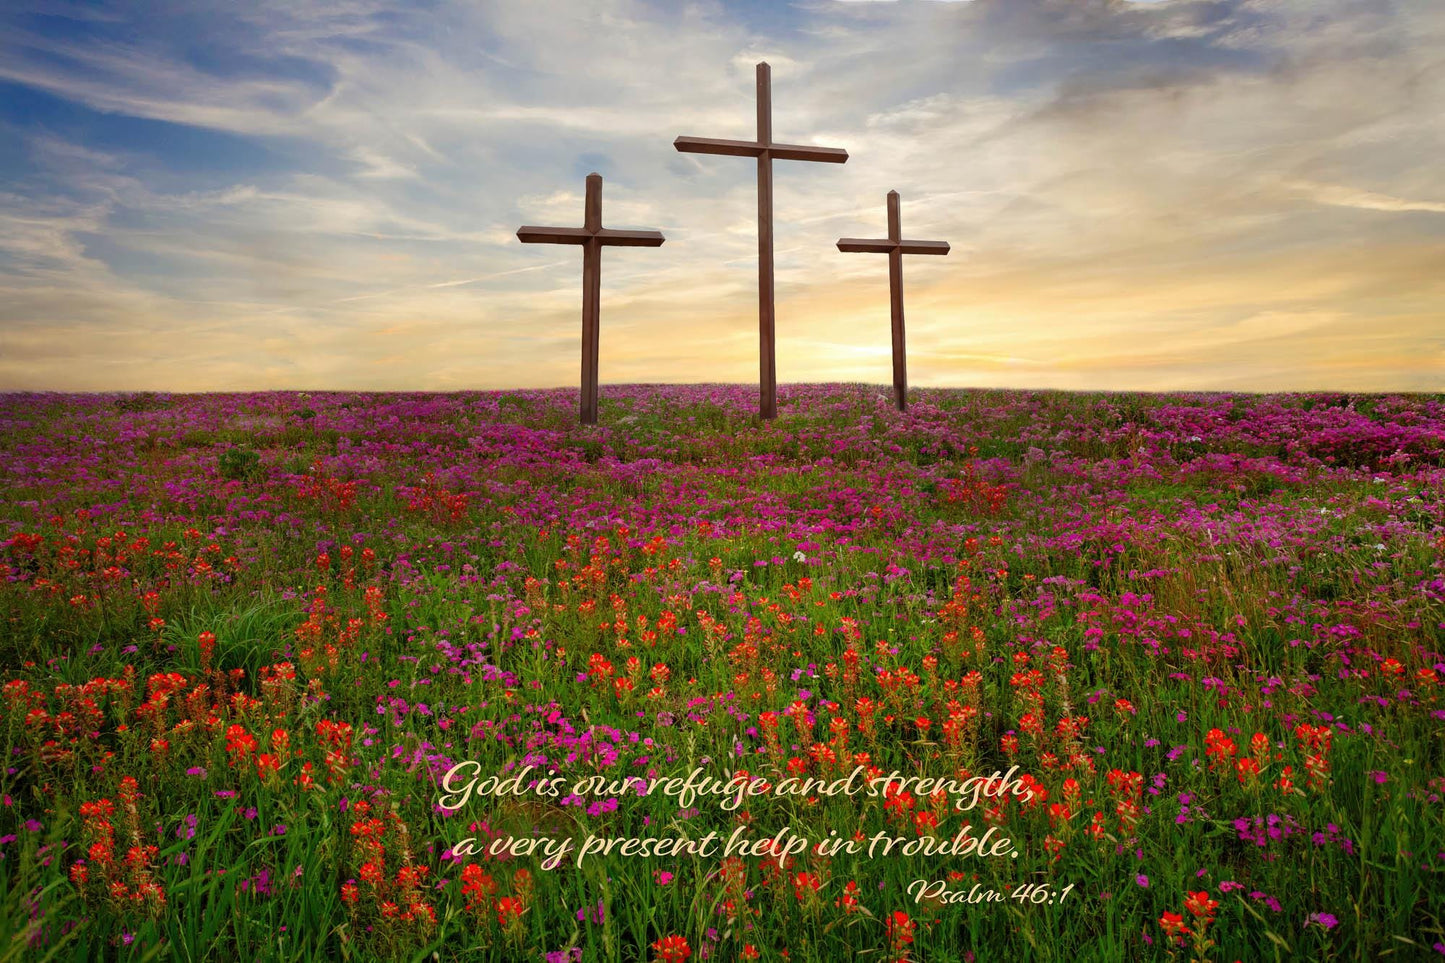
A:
(592, 236)
(895, 247)
(766, 152)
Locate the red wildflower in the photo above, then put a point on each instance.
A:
(1201, 905)
(671, 949)
(900, 930)
(1173, 925)
(509, 909)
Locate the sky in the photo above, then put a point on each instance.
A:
(1171, 195)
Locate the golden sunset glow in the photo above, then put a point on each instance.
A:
(1187, 194)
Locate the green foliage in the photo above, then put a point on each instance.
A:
(240, 464)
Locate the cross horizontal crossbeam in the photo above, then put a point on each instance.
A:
(885, 246)
(751, 148)
(580, 235)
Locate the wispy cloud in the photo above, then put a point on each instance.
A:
(1343, 196)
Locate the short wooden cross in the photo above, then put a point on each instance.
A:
(765, 151)
(592, 236)
(895, 247)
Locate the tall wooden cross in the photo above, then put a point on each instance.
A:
(592, 236)
(895, 247)
(765, 151)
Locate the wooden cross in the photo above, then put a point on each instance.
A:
(895, 247)
(592, 236)
(765, 151)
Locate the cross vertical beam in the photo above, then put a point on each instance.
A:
(766, 151)
(591, 298)
(895, 303)
(895, 247)
(592, 236)
(767, 340)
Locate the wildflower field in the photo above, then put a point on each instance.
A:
(245, 638)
